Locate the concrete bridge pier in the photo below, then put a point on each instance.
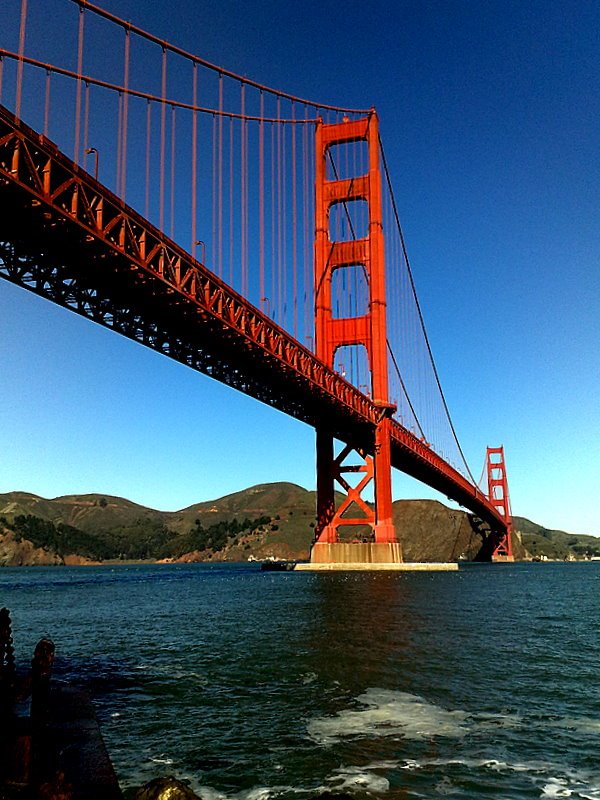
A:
(366, 556)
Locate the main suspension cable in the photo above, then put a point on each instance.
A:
(418, 307)
(115, 87)
(203, 62)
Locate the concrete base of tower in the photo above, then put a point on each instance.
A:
(503, 559)
(364, 556)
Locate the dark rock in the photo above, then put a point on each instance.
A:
(166, 788)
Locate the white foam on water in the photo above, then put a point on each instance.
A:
(256, 793)
(346, 779)
(161, 759)
(410, 764)
(208, 793)
(551, 779)
(383, 765)
(577, 724)
(556, 788)
(533, 767)
(390, 713)
(259, 793)
(470, 763)
(585, 725)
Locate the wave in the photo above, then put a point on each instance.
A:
(551, 779)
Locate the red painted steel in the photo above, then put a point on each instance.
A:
(499, 498)
(368, 329)
(66, 237)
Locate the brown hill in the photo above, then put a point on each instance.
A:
(428, 530)
(88, 512)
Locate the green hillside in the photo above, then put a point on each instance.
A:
(555, 544)
(274, 519)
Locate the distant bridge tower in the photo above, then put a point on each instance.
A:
(499, 498)
(368, 330)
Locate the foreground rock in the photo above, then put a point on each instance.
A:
(167, 788)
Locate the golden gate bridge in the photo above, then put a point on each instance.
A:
(245, 232)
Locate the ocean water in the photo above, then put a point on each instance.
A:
(256, 685)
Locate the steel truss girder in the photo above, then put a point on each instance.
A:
(66, 237)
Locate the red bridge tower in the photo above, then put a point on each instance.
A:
(498, 494)
(368, 330)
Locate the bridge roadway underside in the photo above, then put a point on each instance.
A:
(91, 262)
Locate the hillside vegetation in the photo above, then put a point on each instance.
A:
(554, 544)
(267, 520)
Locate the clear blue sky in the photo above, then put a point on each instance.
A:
(489, 114)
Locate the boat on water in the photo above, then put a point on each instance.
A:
(277, 565)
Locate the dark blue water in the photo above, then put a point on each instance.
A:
(481, 683)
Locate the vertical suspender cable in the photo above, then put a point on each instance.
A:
(163, 134)
(214, 193)
(308, 284)
(119, 142)
(261, 200)
(273, 217)
(394, 292)
(231, 223)
(173, 152)
(76, 156)
(284, 224)
(241, 177)
(47, 103)
(244, 195)
(194, 157)
(22, 29)
(279, 216)
(246, 174)
(1, 75)
(125, 115)
(148, 147)
(294, 227)
(351, 285)
(220, 181)
(86, 117)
